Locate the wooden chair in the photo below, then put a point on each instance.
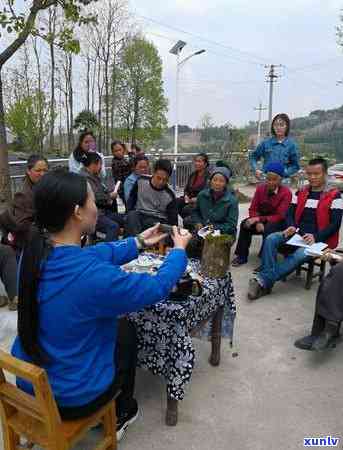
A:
(311, 273)
(309, 267)
(37, 418)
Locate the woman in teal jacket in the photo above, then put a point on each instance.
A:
(217, 205)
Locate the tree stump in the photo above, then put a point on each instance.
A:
(215, 258)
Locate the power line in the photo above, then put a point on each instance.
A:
(213, 52)
(308, 79)
(188, 80)
(315, 65)
(227, 47)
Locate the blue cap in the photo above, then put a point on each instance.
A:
(275, 167)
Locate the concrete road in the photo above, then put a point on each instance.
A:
(269, 397)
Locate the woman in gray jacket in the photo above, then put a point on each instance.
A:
(109, 221)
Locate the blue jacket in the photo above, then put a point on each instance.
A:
(128, 185)
(271, 150)
(81, 294)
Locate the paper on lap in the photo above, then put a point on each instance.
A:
(116, 187)
(315, 249)
(208, 230)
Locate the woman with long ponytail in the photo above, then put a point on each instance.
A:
(70, 299)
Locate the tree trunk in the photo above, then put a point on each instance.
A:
(135, 122)
(107, 106)
(71, 100)
(215, 258)
(5, 181)
(93, 85)
(52, 28)
(26, 70)
(39, 98)
(113, 93)
(66, 101)
(88, 82)
(99, 105)
(61, 143)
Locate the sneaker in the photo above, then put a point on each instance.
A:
(306, 342)
(238, 261)
(124, 420)
(13, 304)
(3, 300)
(256, 290)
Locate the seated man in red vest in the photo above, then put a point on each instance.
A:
(316, 214)
(267, 212)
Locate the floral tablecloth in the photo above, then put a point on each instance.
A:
(165, 346)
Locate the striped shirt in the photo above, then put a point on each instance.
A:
(308, 223)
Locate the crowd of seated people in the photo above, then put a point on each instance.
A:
(316, 214)
(69, 205)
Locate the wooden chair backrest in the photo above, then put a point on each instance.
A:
(41, 407)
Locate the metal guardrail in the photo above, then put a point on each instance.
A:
(183, 167)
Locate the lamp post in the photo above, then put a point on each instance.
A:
(176, 50)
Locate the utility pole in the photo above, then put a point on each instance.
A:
(271, 79)
(259, 109)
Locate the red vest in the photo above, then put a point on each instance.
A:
(322, 212)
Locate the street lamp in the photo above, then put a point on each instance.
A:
(176, 50)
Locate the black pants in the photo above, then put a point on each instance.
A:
(329, 304)
(137, 222)
(183, 208)
(8, 270)
(126, 361)
(246, 234)
(109, 222)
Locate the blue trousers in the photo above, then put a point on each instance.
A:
(272, 270)
(107, 224)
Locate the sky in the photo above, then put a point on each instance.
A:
(241, 36)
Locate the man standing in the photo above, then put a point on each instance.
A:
(267, 212)
(316, 214)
